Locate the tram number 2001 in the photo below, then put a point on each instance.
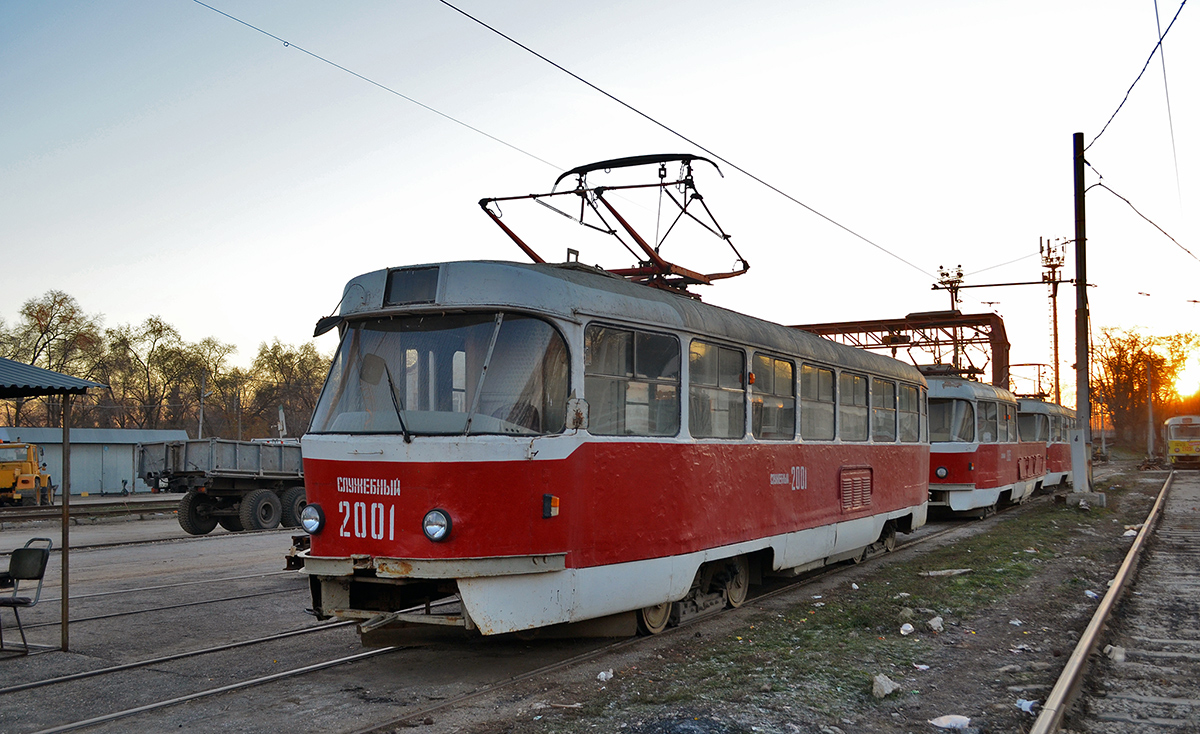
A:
(359, 519)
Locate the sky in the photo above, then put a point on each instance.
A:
(160, 158)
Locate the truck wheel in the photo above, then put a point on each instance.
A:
(294, 501)
(193, 514)
(28, 500)
(260, 510)
(232, 523)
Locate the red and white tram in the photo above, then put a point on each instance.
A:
(503, 446)
(976, 459)
(1048, 423)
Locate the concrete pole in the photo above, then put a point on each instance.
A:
(1081, 443)
(66, 521)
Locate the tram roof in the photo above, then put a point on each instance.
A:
(963, 389)
(575, 291)
(1032, 405)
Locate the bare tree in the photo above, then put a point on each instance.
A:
(1125, 360)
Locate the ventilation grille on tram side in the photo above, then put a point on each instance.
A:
(856, 488)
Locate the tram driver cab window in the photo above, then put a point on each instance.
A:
(989, 422)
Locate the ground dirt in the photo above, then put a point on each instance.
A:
(805, 660)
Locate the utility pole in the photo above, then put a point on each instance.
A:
(951, 280)
(1149, 409)
(1053, 259)
(1081, 455)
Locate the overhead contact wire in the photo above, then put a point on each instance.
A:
(1157, 46)
(683, 137)
(384, 87)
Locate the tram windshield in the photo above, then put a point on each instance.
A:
(951, 420)
(1181, 432)
(489, 373)
(1033, 426)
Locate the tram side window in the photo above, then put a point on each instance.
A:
(773, 404)
(989, 422)
(816, 403)
(632, 382)
(910, 414)
(883, 410)
(951, 421)
(852, 407)
(717, 395)
(1009, 414)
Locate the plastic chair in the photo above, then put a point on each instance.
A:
(25, 564)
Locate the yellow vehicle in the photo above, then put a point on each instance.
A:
(1183, 440)
(23, 477)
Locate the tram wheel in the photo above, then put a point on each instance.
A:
(652, 620)
(737, 586)
(293, 500)
(193, 514)
(260, 510)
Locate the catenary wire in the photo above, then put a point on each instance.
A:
(1010, 262)
(1157, 46)
(384, 87)
(683, 137)
(1162, 56)
(1148, 219)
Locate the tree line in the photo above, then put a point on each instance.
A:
(1134, 371)
(155, 379)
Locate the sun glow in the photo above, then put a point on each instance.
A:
(1187, 383)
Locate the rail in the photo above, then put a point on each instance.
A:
(95, 509)
(1057, 703)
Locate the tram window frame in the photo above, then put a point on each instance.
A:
(716, 390)
(818, 403)
(988, 415)
(1010, 422)
(645, 393)
(772, 411)
(854, 418)
(908, 413)
(883, 411)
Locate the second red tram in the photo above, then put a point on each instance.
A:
(1050, 424)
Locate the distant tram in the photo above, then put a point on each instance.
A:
(502, 447)
(1183, 440)
(1051, 424)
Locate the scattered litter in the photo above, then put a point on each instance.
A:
(951, 721)
(1031, 550)
(1083, 505)
(1022, 648)
(902, 595)
(566, 705)
(1091, 594)
(538, 717)
(1010, 669)
(1116, 653)
(947, 572)
(1015, 622)
(883, 686)
(918, 666)
(1026, 705)
(540, 705)
(907, 629)
(1135, 527)
(854, 586)
(935, 624)
(605, 675)
(1129, 533)
(816, 596)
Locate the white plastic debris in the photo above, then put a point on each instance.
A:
(951, 721)
(883, 686)
(605, 675)
(1091, 594)
(1129, 533)
(902, 595)
(1026, 705)
(1015, 622)
(907, 629)
(854, 586)
(918, 666)
(935, 624)
(1116, 653)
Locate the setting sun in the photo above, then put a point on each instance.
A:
(1188, 381)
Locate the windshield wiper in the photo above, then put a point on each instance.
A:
(397, 404)
(487, 360)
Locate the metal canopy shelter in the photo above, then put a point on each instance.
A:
(19, 380)
(939, 333)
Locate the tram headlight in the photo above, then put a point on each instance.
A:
(312, 518)
(436, 525)
(941, 472)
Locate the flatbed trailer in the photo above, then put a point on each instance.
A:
(239, 485)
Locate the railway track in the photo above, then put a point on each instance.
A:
(1136, 665)
(107, 508)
